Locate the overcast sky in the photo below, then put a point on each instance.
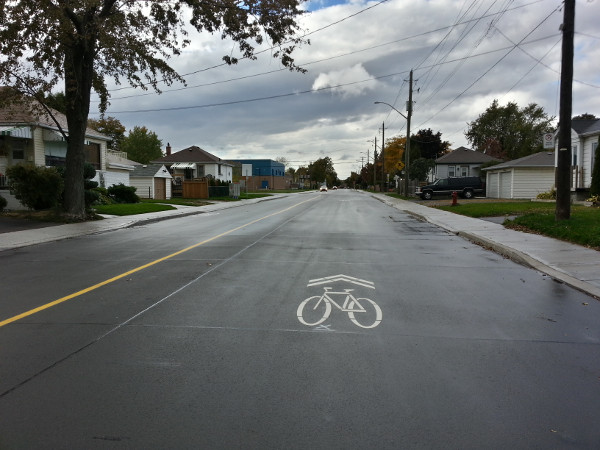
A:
(464, 54)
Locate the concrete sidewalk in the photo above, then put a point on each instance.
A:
(17, 239)
(572, 264)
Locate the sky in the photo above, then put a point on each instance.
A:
(463, 54)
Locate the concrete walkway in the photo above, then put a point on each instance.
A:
(571, 264)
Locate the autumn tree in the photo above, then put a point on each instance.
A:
(82, 43)
(509, 131)
(142, 145)
(393, 154)
(111, 127)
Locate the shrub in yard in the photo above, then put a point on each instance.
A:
(90, 195)
(123, 194)
(36, 187)
(3, 203)
(550, 195)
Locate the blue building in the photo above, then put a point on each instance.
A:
(262, 173)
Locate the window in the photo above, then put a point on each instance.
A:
(92, 155)
(450, 171)
(574, 155)
(18, 149)
(464, 171)
(220, 172)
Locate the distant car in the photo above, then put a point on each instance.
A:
(466, 187)
(334, 188)
(323, 188)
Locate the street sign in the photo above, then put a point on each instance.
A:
(548, 140)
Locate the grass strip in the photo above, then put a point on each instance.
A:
(126, 209)
(582, 228)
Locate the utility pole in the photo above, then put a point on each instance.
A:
(383, 184)
(408, 115)
(374, 165)
(563, 170)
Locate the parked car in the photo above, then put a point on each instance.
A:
(323, 188)
(466, 187)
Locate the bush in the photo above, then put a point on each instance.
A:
(123, 194)
(3, 203)
(36, 187)
(550, 195)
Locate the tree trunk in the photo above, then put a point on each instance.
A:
(79, 70)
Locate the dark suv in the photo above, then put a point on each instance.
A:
(466, 187)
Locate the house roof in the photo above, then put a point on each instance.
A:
(28, 113)
(586, 126)
(541, 159)
(191, 154)
(463, 155)
(146, 170)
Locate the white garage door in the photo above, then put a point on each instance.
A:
(492, 187)
(505, 185)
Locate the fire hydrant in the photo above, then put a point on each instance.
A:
(454, 198)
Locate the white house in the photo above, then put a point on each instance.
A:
(151, 181)
(521, 178)
(194, 163)
(584, 141)
(33, 137)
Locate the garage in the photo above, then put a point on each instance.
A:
(522, 178)
(151, 181)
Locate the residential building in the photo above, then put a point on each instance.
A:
(194, 163)
(462, 162)
(521, 178)
(585, 134)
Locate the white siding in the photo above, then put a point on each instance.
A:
(492, 188)
(505, 185)
(39, 157)
(144, 186)
(111, 177)
(529, 182)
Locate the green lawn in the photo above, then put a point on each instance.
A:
(126, 209)
(582, 228)
(496, 209)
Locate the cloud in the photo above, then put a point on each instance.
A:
(361, 52)
(349, 82)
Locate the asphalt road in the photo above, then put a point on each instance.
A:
(209, 331)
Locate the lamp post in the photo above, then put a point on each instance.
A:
(407, 158)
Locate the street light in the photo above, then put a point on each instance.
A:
(407, 158)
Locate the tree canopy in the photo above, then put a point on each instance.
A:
(428, 145)
(509, 132)
(142, 145)
(111, 127)
(81, 43)
(322, 171)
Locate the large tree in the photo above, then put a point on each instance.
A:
(509, 132)
(142, 145)
(428, 145)
(322, 171)
(82, 42)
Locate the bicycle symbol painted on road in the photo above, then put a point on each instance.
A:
(363, 312)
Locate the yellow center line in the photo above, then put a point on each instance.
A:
(137, 269)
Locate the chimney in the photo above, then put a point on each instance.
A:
(168, 149)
